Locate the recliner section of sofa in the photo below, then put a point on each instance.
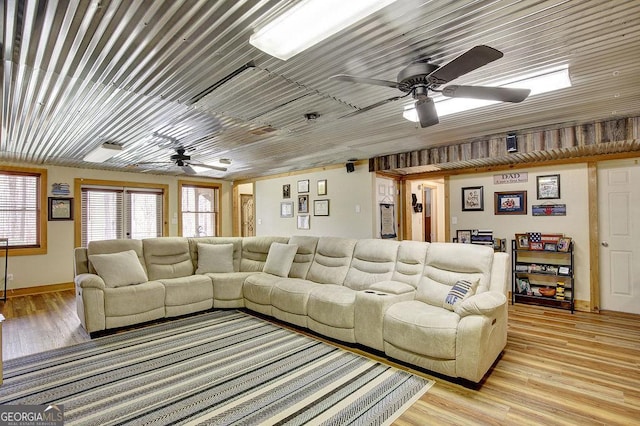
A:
(394, 297)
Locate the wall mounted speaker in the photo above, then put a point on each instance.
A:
(351, 167)
(512, 143)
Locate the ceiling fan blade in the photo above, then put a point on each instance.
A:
(364, 80)
(370, 107)
(188, 170)
(472, 59)
(503, 94)
(427, 114)
(207, 166)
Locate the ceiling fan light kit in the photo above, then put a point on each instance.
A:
(103, 152)
(309, 22)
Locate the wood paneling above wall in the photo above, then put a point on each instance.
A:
(561, 142)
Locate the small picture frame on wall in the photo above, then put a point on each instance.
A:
(286, 209)
(548, 187)
(303, 204)
(286, 191)
(321, 208)
(322, 187)
(60, 208)
(472, 199)
(303, 186)
(303, 221)
(514, 202)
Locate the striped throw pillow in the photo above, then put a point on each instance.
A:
(460, 291)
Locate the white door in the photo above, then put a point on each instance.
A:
(619, 211)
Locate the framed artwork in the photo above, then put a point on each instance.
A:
(303, 221)
(536, 245)
(548, 187)
(60, 208)
(550, 247)
(464, 236)
(286, 209)
(322, 187)
(321, 208)
(522, 241)
(524, 287)
(564, 244)
(286, 191)
(303, 186)
(472, 198)
(514, 202)
(303, 204)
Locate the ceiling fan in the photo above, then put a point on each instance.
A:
(420, 77)
(180, 159)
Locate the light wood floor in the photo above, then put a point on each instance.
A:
(557, 368)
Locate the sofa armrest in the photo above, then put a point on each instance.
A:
(481, 304)
(89, 281)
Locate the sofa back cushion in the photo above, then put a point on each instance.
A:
(255, 251)
(167, 257)
(215, 258)
(373, 260)
(331, 262)
(237, 248)
(447, 263)
(410, 262)
(115, 246)
(119, 269)
(280, 259)
(304, 256)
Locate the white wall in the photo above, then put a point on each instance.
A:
(573, 192)
(57, 265)
(350, 198)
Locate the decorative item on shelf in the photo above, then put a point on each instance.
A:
(522, 241)
(547, 291)
(563, 244)
(483, 237)
(535, 241)
(464, 236)
(560, 290)
(564, 270)
(524, 287)
(550, 247)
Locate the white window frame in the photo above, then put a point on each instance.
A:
(216, 187)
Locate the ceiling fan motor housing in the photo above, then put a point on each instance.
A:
(415, 74)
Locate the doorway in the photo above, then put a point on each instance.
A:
(247, 219)
(619, 250)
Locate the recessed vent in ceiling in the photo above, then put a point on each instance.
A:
(217, 84)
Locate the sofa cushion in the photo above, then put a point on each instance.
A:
(331, 262)
(257, 287)
(119, 269)
(215, 258)
(255, 251)
(134, 299)
(280, 259)
(332, 305)
(410, 262)
(291, 295)
(115, 246)
(306, 251)
(237, 248)
(373, 261)
(460, 291)
(422, 329)
(167, 257)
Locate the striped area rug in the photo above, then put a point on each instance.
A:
(219, 368)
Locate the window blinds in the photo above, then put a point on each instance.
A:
(20, 209)
(199, 211)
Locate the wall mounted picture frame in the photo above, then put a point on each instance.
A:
(548, 187)
(388, 221)
(303, 186)
(514, 202)
(473, 198)
(303, 221)
(322, 187)
(303, 204)
(286, 209)
(286, 191)
(463, 236)
(60, 208)
(321, 207)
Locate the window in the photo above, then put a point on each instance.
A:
(22, 220)
(199, 206)
(109, 212)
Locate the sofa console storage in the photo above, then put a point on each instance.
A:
(439, 306)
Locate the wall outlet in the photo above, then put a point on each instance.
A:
(9, 277)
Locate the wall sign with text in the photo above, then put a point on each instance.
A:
(513, 177)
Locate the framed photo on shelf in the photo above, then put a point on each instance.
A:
(322, 187)
(473, 198)
(303, 186)
(60, 208)
(303, 221)
(548, 187)
(286, 209)
(286, 191)
(321, 208)
(524, 287)
(303, 204)
(514, 202)
(535, 245)
(522, 241)
(564, 244)
(464, 236)
(550, 247)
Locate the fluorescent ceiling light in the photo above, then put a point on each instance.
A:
(199, 169)
(540, 82)
(310, 22)
(103, 153)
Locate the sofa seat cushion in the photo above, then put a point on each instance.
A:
(332, 305)
(133, 299)
(187, 290)
(423, 329)
(257, 287)
(228, 285)
(292, 294)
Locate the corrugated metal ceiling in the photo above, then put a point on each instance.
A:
(79, 73)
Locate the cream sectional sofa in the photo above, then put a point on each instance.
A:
(439, 306)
